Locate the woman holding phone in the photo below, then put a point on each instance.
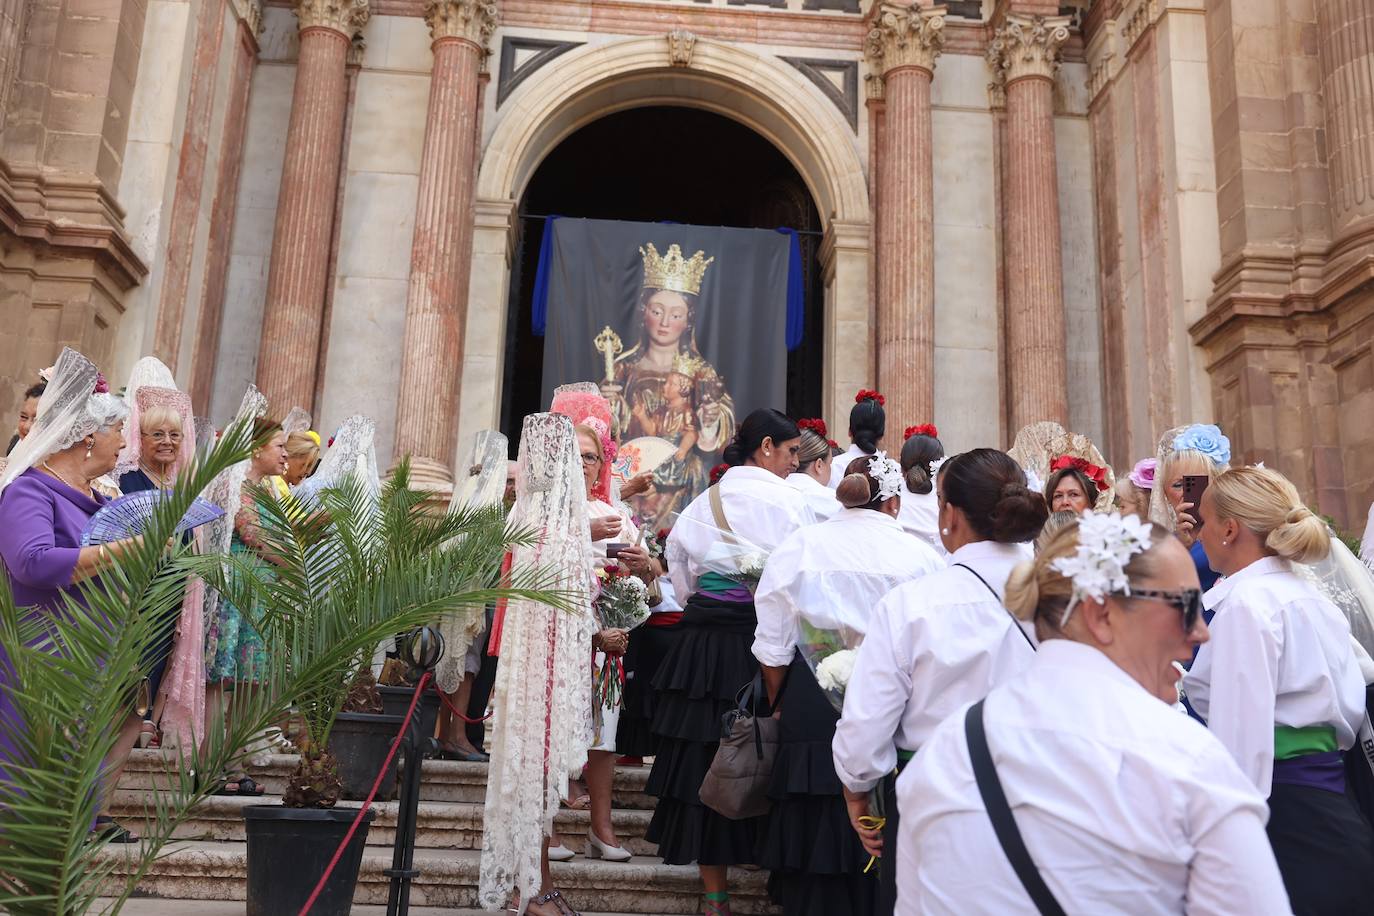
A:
(1189, 458)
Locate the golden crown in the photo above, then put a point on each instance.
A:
(688, 365)
(673, 271)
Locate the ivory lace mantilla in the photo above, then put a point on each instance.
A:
(543, 694)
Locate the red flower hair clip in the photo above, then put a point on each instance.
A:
(925, 429)
(101, 386)
(718, 472)
(866, 394)
(1097, 475)
(817, 426)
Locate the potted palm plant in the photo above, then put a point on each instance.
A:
(348, 572)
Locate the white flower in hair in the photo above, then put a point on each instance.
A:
(1033, 481)
(1106, 544)
(888, 475)
(937, 464)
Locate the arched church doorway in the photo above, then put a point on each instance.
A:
(662, 164)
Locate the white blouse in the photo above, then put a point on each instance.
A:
(1125, 806)
(597, 508)
(1279, 654)
(818, 496)
(920, 516)
(832, 575)
(759, 506)
(840, 462)
(933, 645)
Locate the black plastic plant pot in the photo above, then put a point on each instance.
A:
(288, 851)
(396, 700)
(360, 741)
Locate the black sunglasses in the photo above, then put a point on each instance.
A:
(1187, 602)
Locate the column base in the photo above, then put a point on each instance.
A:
(433, 477)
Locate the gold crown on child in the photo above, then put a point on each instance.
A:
(673, 271)
(688, 365)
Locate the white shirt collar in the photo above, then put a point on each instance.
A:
(985, 550)
(742, 473)
(806, 481)
(1266, 567)
(865, 515)
(1068, 653)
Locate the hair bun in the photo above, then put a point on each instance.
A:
(1019, 515)
(1023, 591)
(1297, 514)
(854, 491)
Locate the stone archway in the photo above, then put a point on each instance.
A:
(761, 92)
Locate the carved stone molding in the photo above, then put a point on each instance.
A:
(344, 16)
(680, 45)
(472, 20)
(250, 11)
(1137, 21)
(1104, 57)
(356, 49)
(845, 96)
(905, 35)
(513, 71)
(1027, 46)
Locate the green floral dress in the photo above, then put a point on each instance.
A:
(239, 651)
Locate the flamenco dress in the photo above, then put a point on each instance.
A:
(698, 682)
(650, 644)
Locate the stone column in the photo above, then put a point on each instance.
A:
(437, 297)
(1024, 58)
(1346, 42)
(288, 354)
(902, 45)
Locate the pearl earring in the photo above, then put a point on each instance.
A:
(1224, 543)
(944, 531)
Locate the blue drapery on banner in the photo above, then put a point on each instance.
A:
(796, 285)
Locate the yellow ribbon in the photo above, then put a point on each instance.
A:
(869, 822)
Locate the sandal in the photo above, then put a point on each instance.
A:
(578, 799)
(247, 786)
(557, 900)
(106, 829)
(719, 907)
(148, 736)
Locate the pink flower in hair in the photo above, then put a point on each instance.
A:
(101, 386)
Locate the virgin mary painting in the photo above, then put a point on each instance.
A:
(663, 386)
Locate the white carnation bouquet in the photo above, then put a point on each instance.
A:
(830, 653)
(621, 604)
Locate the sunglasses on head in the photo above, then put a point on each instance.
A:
(1187, 601)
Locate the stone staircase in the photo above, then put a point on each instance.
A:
(208, 861)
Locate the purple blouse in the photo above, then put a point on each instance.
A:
(41, 523)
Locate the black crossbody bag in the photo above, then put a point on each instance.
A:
(999, 812)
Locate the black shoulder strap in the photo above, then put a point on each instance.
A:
(1016, 623)
(999, 812)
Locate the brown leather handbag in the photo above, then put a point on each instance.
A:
(736, 785)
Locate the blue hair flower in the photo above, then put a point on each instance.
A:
(1207, 439)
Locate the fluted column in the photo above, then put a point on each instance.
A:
(902, 46)
(1346, 42)
(437, 297)
(1024, 56)
(288, 354)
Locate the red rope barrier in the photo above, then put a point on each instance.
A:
(453, 710)
(367, 803)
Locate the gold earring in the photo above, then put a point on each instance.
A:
(89, 446)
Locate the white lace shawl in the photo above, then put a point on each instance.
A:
(352, 452)
(481, 481)
(543, 693)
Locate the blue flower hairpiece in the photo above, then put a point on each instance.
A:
(1207, 439)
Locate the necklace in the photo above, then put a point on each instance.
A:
(158, 479)
(86, 489)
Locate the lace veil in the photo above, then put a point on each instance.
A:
(352, 452)
(1161, 510)
(148, 397)
(1349, 584)
(1037, 445)
(224, 492)
(583, 403)
(147, 372)
(72, 407)
(543, 688)
(481, 482)
(297, 421)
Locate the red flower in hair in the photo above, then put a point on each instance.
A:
(331, 442)
(866, 394)
(925, 429)
(101, 386)
(718, 472)
(1094, 473)
(817, 426)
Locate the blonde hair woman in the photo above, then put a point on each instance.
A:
(1123, 804)
(1199, 450)
(1281, 687)
(302, 455)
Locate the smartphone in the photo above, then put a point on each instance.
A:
(1194, 485)
(613, 550)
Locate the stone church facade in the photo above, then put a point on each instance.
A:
(1121, 214)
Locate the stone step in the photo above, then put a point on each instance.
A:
(440, 780)
(152, 906)
(218, 871)
(441, 825)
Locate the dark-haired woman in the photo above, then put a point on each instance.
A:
(1070, 490)
(920, 514)
(937, 644)
(829, 576)
(812, 477)
(867, 426)
(699, 680)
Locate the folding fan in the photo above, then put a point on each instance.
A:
(130, 515)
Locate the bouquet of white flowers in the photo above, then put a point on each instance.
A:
(621, 604)
(831, 654)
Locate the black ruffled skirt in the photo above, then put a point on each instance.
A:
(649, 646)
(697, 683)
(806, 840)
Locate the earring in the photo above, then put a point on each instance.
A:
(944, 531)
(1224, 543)
(89, 446)
(767, 454)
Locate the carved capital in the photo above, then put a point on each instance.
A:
(905, 35)
(472, 20)
(344, 16)
(1027, 46)
(680, 45)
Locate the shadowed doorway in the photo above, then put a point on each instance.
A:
(662, 164)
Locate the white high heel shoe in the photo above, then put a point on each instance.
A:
(599, 850)
(560, 853)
